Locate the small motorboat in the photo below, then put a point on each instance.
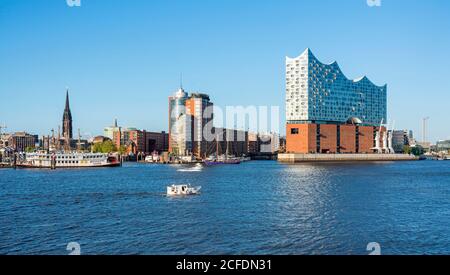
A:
(197, 168)
(182, 190)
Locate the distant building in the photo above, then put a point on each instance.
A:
(269, 143)
(134, 137)
(156, 142)
(20, 141)
(200, 108)
(443, 146)
(264, 143)
(109, 131)
(400, 138)
(4, 140)
(425, 145)
(141, 141)
(180, 125)
(100, 139)
(189, 116)
(327, 112)
(282, 145)
(253, 143)
(231, 141)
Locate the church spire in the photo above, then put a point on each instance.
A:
(67, 120)
(67, 101)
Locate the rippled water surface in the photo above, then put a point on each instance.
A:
(253, 208)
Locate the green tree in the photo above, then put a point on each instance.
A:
(417, 150)
(104, 147)
(407, 149)
(29, 149)
(122, 149)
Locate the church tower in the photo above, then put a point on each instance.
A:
(67, 121)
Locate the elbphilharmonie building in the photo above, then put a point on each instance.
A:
(328, 113)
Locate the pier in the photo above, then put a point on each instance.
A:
(293, 158)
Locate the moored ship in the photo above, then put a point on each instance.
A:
(68, 160)
(222, 160)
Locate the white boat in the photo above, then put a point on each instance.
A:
(197, 168)
(182, 190)
(149, 159)
(68, 160)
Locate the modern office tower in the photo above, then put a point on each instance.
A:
(328, 113)
(200, 108)
(180, 124)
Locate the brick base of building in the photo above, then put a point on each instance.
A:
(311, 138)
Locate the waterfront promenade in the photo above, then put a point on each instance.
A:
(292, 158)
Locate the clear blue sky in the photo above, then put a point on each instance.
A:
(123, 58)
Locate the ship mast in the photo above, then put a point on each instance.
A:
(226, 137)
(79, 141)
(217, 146)
(59, 138)
(53, 138)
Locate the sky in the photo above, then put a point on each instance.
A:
(122, 59)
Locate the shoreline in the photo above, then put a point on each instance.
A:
(294, 158)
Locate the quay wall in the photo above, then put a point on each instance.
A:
(292, 158)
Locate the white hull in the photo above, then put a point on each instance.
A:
(182, 190)
(67, 160)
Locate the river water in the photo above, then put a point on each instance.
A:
(260, 207)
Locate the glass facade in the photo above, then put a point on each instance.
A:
(321, 93)
(179, 124)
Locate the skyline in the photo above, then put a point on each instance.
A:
(233, 51)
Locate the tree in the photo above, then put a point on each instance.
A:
(417, 150)
(104, 147)
(122, 149)
(407, 149)
(29, 149)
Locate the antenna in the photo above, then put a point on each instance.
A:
(181, 80)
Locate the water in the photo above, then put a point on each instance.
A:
(252, 208)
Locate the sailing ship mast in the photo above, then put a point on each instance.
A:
(226, 137)
(79, 141)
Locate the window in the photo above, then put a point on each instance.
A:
(294, 131)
